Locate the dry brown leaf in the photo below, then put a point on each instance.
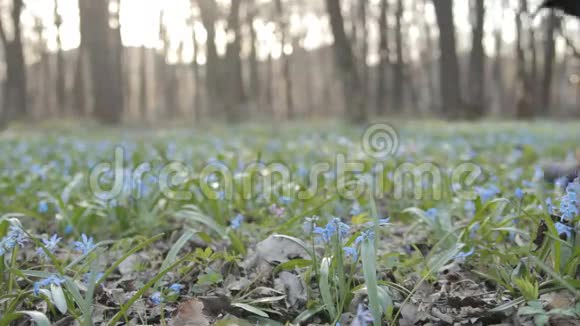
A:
(190, 313)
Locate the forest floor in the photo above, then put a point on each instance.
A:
(422, 224)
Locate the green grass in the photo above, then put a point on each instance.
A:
(182, 228)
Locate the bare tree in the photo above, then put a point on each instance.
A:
(15, 104)
(101, 46)
(254, 75)
(346, 65)
(143, 102)
(497, 68)
(364, 49)
(286, 71)
(383, 58)
(428, 60)
(235, 82)
(551, 23)
(399, 67)
(524, 94)
(209, 15)
(197, 93)
(477, 61)
(448, 62)
(61, 101)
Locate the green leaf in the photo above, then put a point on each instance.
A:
(174, 251)
(58, 298)
(369, 263)
(292, 264)
(306, 315)
(325, 287)
(39, 318)
(251, 309)
(192, 213)
(268, 299)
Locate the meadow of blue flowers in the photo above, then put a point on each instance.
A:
(492, 250)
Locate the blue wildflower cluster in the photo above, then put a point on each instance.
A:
(570, 202)
(50, 245)
(85, 245)
(237, 221)
(159, 297)
(335, 226)
(51, 280)
(431, 214)
(14, 237)
(363, 316)
(487, 193)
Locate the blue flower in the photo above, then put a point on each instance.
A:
(237, 221)
(363, 317)
(564, 229)
(335, 226)
(51, 280)
(176, 288)
(42, 207)
(68, 229)
(519, 193)
(487, 193)
(351, 252)
(355, 209)
(50, 245)
(285, 200)
(14, 237)
(156, 298)
(431, 214)
(568, 204)
(365, 235)
(463, 255)
(85, 245)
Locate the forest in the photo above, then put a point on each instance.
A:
(290, 162)
(286, 60)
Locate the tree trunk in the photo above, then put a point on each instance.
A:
(209, 13)
(61, 102)
(286, 71)
(428, 62)
(15, 104)
(524, 96)
(448, 62)
(477, 62)
(398, 71)
(235, 87)
(104, 57)
(549, 60)
(364, 51)
(346, 65)
(143, 102)
(269, 84)
(254, 82)
(197, 93)
(383, 58)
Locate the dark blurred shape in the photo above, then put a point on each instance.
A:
(570, 7)
(554, 171)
